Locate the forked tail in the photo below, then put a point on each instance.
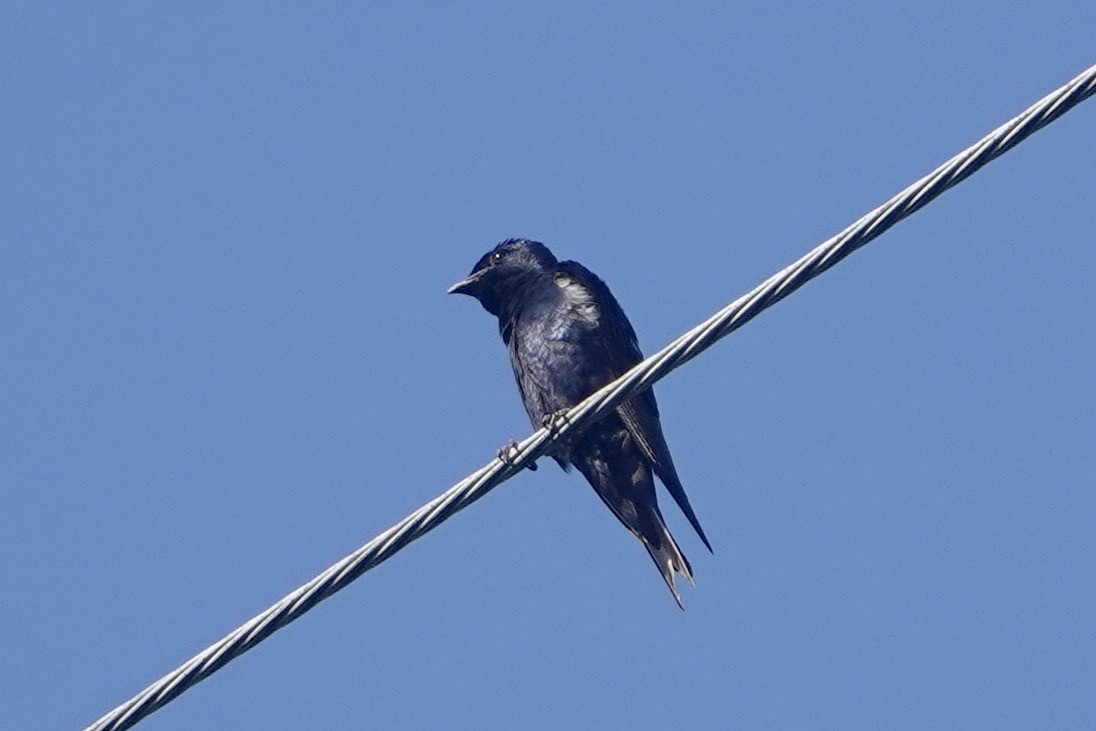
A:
(669, 559)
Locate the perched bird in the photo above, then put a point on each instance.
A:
(568, 337)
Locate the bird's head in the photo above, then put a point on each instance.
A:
(503, 270)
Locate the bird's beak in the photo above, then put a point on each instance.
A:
(469, 286)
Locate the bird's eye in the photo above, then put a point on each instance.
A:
(496, 257)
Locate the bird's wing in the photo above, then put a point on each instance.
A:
(640, 413)
(640, 416)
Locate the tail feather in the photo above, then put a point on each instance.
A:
(670, 561)
(625, 483)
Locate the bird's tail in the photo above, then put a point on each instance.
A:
(667, 556)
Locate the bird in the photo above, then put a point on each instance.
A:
(567, 337)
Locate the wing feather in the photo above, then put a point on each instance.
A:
(620, 348)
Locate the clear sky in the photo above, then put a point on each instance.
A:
(228, 360)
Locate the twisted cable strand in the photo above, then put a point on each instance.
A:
(678, 352)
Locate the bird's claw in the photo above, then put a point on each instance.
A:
(555, 421)
(509, 454)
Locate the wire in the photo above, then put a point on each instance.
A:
(681, 350)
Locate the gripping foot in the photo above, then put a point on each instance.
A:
(555, 421)
(509, 454)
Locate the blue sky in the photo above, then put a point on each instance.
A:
(229, 359)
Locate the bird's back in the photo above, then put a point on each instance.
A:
(570, 339)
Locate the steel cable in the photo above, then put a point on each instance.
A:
(681, 350)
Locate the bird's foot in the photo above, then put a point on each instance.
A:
(509, 454)
(555, 421)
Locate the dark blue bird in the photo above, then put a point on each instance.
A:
(568, 337)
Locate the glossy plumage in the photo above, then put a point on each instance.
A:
(567, 336)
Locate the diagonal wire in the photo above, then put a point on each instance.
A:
(681, 350)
